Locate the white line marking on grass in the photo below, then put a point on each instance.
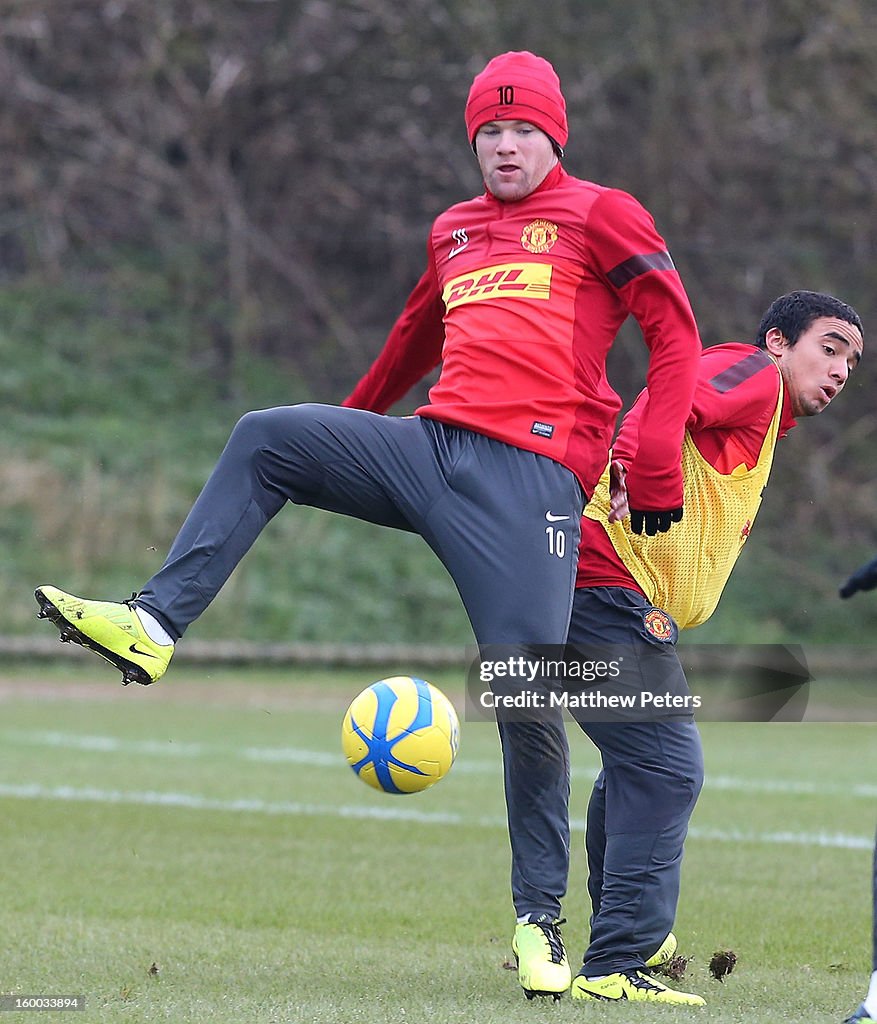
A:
(790, 787)
(194, 802)
(249, 805)
(103, 744)
(171, 748)
(326, 759)
(834, 840)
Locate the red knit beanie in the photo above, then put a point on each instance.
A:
(518, 86)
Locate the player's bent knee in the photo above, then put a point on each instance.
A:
(270, 427)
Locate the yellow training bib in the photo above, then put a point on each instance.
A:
(684, 571)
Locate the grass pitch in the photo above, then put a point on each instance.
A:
(199, 851)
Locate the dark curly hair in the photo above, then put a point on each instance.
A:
(793, 314)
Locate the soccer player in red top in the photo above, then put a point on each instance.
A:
(633, 595)
(524, 290)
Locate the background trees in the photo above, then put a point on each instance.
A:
(207, 205)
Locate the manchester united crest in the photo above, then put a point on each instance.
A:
(539, 236)
(659, 624)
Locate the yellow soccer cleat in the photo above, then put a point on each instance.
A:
(543, 969)
(633, 987)
(113, 631)
(665, 951)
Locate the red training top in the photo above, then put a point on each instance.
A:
(520, 302)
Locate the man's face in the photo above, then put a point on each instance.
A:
(514, 157)
(816, 367)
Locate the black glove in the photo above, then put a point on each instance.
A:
(862, 579)
(653, 522)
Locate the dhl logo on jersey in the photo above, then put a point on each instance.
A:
(506, 280)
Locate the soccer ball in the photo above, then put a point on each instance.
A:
(401, 735)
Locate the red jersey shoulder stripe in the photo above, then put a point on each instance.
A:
(740, 371)
(632, 267)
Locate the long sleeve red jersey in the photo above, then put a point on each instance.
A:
(734, 402)
(520, 302)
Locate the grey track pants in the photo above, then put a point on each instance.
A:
(482, 507)
(643, 798)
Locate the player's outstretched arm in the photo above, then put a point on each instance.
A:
(413, 348)
(864, 578)
(626, 245)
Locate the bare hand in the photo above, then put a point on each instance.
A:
(618, 507)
